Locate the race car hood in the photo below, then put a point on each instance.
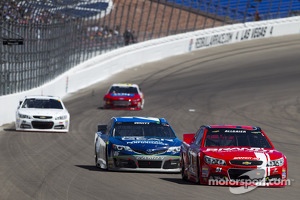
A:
(149, 145)
(240, 153)
(44, 112)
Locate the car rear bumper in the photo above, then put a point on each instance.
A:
(123, 104)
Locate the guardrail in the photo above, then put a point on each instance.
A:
(95, 69)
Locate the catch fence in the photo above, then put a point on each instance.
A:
(42, 39)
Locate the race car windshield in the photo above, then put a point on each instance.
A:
(236, 138)
(117, 89)
(143, 130)
(42, 103)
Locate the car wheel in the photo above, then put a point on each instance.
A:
(198, 173)
(183, 172)
(106, 158)
(96, 158)
(142, 105)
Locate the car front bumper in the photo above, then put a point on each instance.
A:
(42, 125)
(233, 176)
(145, 163)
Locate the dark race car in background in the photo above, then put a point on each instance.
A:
(124, 96)
(232, 155)
(137, 144)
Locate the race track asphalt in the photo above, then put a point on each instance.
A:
(251, 83)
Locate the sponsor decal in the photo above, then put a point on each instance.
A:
(246, 163)
(205, 171)
(149, 157)
(275, 171)
(146, 142)
(133, 138)
(258, 32)
(235, 131)
(122, 94)
(283, 173)
(245, 158)
(213, 40)
(141, 122)
(218, 169)
(255, 132)
(150, 150)
(259, 150)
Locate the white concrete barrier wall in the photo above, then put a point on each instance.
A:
(102, 66)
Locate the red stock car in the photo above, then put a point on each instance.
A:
(124, 96)
(232, 155)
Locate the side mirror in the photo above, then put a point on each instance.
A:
(102, 128)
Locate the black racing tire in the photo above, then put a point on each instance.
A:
(183, 175)
(198, 172)
(106, 158)
(96, 158)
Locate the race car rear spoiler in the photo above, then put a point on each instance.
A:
(188, 137)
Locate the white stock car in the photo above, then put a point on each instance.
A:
(42, 113)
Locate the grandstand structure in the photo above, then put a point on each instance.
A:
(41, 39)
(236, 10)
(244, 10)
(71, 8)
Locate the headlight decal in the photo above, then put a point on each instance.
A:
(279, 162)
(22, 116)
(214, 161)
(174, 150)
(117, 147)
(62, 117)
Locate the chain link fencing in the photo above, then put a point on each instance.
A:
(42, 39)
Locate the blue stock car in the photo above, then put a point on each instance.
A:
(137, 144)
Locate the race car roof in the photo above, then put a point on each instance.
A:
(245, 127)
(41, 97)
(140, 119)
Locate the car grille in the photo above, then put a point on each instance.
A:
(172, 164)
(126, 163)
(150, 152)
(238, 174)
(42, 125)
(149, 164)
(246, 162)
(122, 103)
(42, 117)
